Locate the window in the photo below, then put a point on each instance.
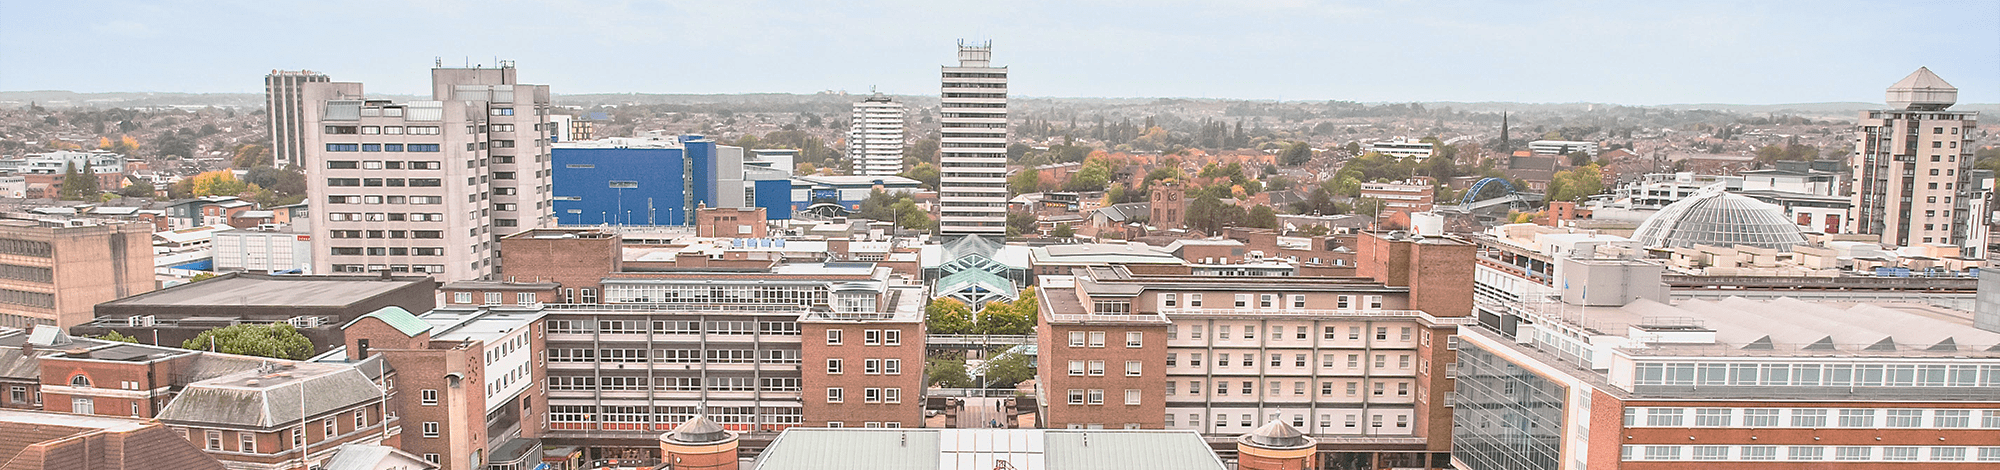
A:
(833, 366)
(1076, 368)
(82, 406)
(1075, 396)
(328, 428)
(1134, 339)
(1298, 360)
(1806, 453)
(871, 337)
(360, 419)
(1852, 453)
(17, 394)
(1222, 360)
(871, 366)
(1809, 418)
(1132, 368)
(214, 440)
(1242, 300)
(1194, 300)
(79, 380)
(1899, 453)
(1711, 417)
(892, 337)
(1173, 359)
(1194, 359)
(1096, 368)
(1710, 452)
(1664, 416)
(1222, 387)
(1663, 452)
(1170, 387)
(833, 337)
(1760, 418)
(1903, 418)
(871, 395)
(834, 395)
(1857, 418)
(461, 297)
(1760, 453)
(429, 397)
(246, 443)
(892, 395)
(1169, 300)
(892, 366)
(1947, 454)
(1076, 339)
(1096, 339)
(430, 429)
(1952, 419)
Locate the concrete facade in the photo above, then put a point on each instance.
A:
(55, 273)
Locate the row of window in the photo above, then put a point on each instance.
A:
(1276, 388)
(679, 356)
(389, 217)
(383, 147)
(1301, 333)
(1095, 339)
(493, 298)
(1812, 453)
(1095, 396)
(673, 384)
(382, 130)
(672, 414)
(1222, 360)
(1810, 418)
(374, 199)
(1172, 300)
(1298, 420)
(1096, 368)
(1817, 375)
(246, 442)
(394, 268)
(868, 395)
(387, 251)
(385, 182)
(835, 337)
(383, 165)
(868, 366)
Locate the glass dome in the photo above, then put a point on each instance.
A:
(1713, 217)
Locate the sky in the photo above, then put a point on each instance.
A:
(1625, 52)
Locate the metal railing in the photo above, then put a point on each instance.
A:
(978, 339)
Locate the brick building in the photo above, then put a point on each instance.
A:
(866, 365)
(1359, 358)
(285, 415)
(470, 388)
(40, 440)
(53, 272)
(724, 222)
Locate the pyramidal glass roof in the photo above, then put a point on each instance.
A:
(1714, 217)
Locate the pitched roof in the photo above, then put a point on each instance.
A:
(1922, 79)
(260, 400)
(43, 440)
(371, 457)
(397, 318)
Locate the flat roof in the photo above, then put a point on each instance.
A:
(281, 291)
(985, 449)
(1792, 324)
(481, 324)
(81, 422)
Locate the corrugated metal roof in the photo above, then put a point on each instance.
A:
(1151, 450)
(857, 449)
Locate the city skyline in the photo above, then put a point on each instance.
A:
(1541, 52)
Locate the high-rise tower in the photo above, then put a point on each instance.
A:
(875, 142)
(426, 186)
(1912, 165)
(283, 103)
(973, 165)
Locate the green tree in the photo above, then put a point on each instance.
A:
(116, 336)
(948, 316)
(1009, 318)
(1096, 173)
(251, 156)
(1298, 153)
(1009, 370)
(1062, 231)
(79, 185)
(1020, 223)
(276, 340)
(923, 172)
(1262, 217)
(946, 372)
(1577, 184)
(1368, 206)
(1210, 215)
(138, 189)
(1027, 181)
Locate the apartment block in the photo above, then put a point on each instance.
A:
(1365, 359)
(426, 186)
(875, 141)
(866, 361)
(285, 105)
(54, 272)
(1912, 165)
(973, 163)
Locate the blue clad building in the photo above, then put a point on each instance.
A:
(659, 180)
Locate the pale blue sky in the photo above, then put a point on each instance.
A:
(1641, 52)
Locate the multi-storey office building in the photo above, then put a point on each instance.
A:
(973, 186)
(426, 186)
(756, 350)
(1724, 384)
(1912, 165)
(54, 272)
(1363, 359)
(285, 105)
(875, 140)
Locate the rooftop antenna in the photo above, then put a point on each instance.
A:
(437, 61)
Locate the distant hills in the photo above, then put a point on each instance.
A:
(60, 99)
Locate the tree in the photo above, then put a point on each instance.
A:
(924, 172)
(1062, 231)
(948, 316)
(138, 189)
(946, 372)
(79, 185)
(216, 183)
(116, 336)
(1298, 153)
(1210, 215)
(251, 156)
(1368, 206)
(1009, 370)
(1095, 173)
(1019, 223)
(1262, 217)
(1577, 184)
(1009, 318)
(275, 340)
(1027, 181)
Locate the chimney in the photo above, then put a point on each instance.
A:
(360, 349)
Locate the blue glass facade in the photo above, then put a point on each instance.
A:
(647, 186)
(1506, 418)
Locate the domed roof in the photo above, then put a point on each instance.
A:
(699, 430)
(1714, 217)
(1278, 435)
